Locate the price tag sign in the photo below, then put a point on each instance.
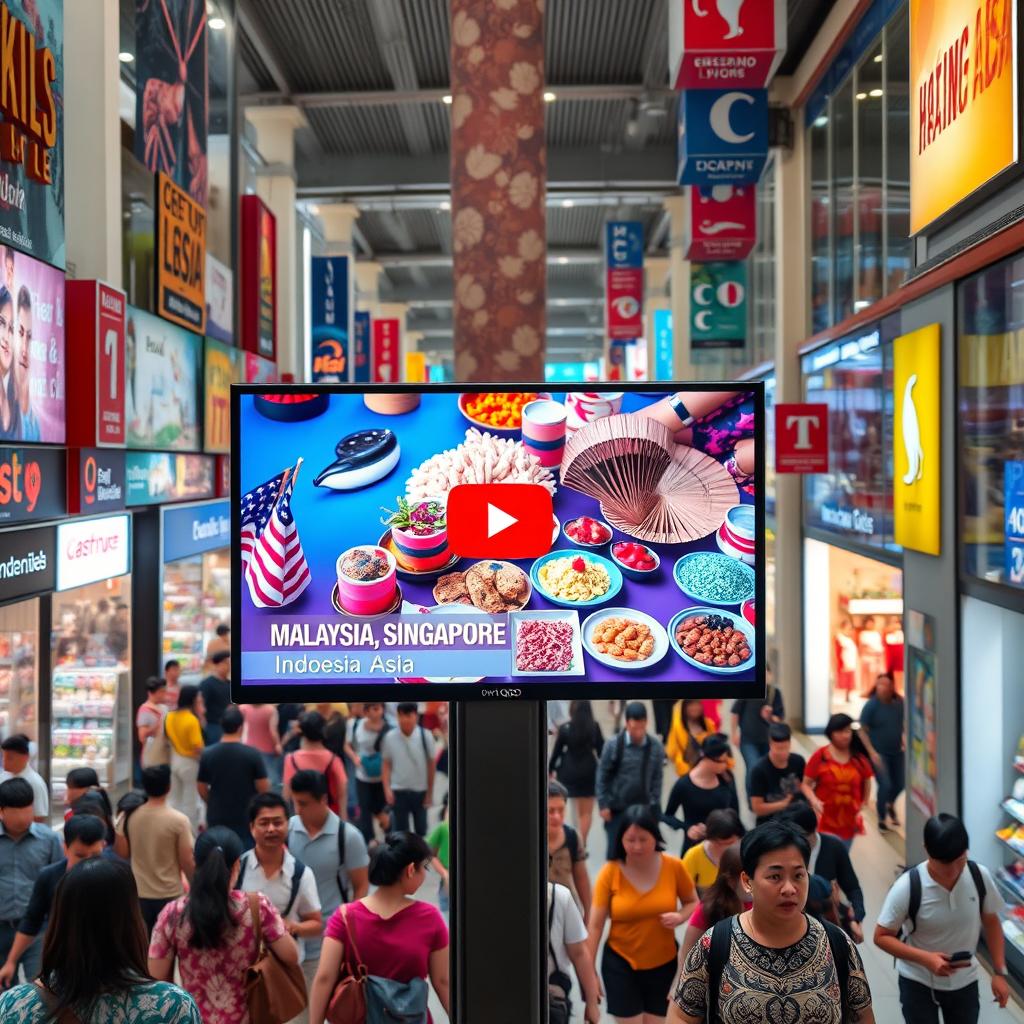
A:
(110, 367)
(1013, 522)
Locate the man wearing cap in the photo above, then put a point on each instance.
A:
(15, 756)
(216, 691)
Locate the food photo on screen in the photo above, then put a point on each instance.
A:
(531, 540)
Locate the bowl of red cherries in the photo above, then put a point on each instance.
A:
(637, 561)
(586, 532)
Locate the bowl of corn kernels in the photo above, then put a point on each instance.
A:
(498, 412)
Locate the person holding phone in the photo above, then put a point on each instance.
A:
(931, 922)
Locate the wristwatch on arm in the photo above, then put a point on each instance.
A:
(679, 408)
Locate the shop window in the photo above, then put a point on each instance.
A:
(870, 135)
(821, 225)
(897, 154)
(843, 210)
(196, 600)
(19, 669)
(762, 274)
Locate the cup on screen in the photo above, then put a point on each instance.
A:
(587, 406)
(544, 430)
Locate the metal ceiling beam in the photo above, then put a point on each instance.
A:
(385, 202)
(248, 25)
(440, 259)
(558, 295)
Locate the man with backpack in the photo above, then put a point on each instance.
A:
(567, 945)
(363, 748)
(408, 768)
(931, 922)
(629, 772)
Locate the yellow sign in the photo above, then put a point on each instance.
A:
(180, 256)
(415, 367)
(917, 439)
(221, 371)
(963, 90)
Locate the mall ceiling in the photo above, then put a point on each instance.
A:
(372, 78)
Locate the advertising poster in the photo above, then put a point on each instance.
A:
(219, 301)
(723, 136)
(32, 133)
(156, 477)
(384, 352)
(258, 302)
(624, 280)
(718, 305)
(801, 437)
(33, 484)
(331, 317)
(921, 735)
(259, 370)
(164, 370)
(722, 223)
(96, 480)
(1013, 530)
(361, 347)
(180, 257)
(172, 92)
(220, 373)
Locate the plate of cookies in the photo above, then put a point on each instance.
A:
(625, 639)
(492, 586)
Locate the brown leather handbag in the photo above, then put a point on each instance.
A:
(348, 1002)
(275, 992)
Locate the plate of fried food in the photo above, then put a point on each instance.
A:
(623, 638)
(491, 586)
(713, 640)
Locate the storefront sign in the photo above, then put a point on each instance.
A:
(1013, 530)
(415, 367)
(96, 363)
(722, 224)
(624, 280)
(922, 760)
(361, 347)
(32, 131)
(219, 374)
(33, 484)
(158, 477)
(180, 256)
(917, 440)
(718, 305)
(963, 100)
(847, 519)
(801, 438)
(172, 93)
(164, 378)
(96, 480)
(90, 550)
(192, 529)
(331, 317)
(384, 353)
(723, 137)
(28, 562)
(219, 301)
(714, 44)
(663, 344)
(258, 303)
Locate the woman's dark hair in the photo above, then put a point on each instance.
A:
(689, 704)
(724, 823)
(768, 838)
(97, 803)
(95, 941)
(187, 696)
(837, 723)
(82, 778)
(721, 900)
(395, 854)
(643, 817)
(209, 900)
(715, 746)
(945, 838)
(581, 723)
(311, 725)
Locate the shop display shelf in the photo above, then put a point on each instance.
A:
(1014, 808)
(1011, 887)
(1014, 933)
(1018, 851)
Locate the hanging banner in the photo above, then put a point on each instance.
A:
(723, 137)
(624, 280)
(361, 347)
(415, 367)
(963, 101)
(220, 371)
(172, 92)
(801, 437)
(714, 44)
(922, 729)
(219, 301)
(663, 344)
(722, 223)
(718, 305)
(384, 352)
(258, 300)
(158, 477)
(330, 307)
(180, 256)
(32, 131)
(1013, 519)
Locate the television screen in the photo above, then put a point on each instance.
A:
(471, 544)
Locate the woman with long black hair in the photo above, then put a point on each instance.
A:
(573, 762)
(94, 958)
(210, 932)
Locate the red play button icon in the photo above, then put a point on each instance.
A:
(503, 521)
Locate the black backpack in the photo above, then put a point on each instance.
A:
(297, 873)
(559, 983)
(718, 957)
(914, 878)
(620, 747)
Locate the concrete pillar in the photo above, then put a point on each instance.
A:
(92, 140)
(337, 220)
(658, 276)
(275, 185)
(791, 327)
(368, 286)
(679, 289)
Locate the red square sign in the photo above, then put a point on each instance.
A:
(801, 438)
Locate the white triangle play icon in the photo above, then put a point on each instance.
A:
(497, 520)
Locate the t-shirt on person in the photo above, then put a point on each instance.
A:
(326, 763)
(148, 1002)
(773, 784)
(700, 867)
(364, 743)
(258, 733)
(41, 795)
(184, 731)
(231, 770)
(753, 727)
(567, 927)
(409, 756)
(884, 723)
(839, 786)
(755, 978)
(279, 888)
(154, 832)
(217, 696)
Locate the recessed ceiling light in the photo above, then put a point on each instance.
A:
(550, 97)
(447, 99)
(878, 58)
(568, 202)
(217, 24)
(820, 122)
(445, 205)
(875, 93)
(563, 260)
(125, 57)
(314, 209)
(862, 95)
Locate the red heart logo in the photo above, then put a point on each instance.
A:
(33, 483)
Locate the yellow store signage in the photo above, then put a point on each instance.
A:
(963, 91)
(917, 439)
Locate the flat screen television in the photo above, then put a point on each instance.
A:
(473, 542)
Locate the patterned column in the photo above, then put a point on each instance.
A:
(499, 181)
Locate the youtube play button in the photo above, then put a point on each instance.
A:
(499, 521)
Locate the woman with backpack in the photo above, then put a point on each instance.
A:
(313, 756)
(399, 940)
(573, 762)
(365, 739)
(211, 932)
(724, 898)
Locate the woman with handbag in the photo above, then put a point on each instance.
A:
(379, 951)
(94, 959)
(217, 934)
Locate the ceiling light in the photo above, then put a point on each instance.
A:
(568, 202)
(875, 93)
(125, 57)
(821, 121)
(549, 97)
(314, 209)
(218, 24)
(862, 95)
(447, 99)
(878, 58)
(563, 260)
(445, 205)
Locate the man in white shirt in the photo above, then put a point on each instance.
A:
(271, 869)
(16, 751)
(931, 924)
(567, 944)
(408, 770)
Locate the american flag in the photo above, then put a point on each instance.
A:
(277, 571)
(256, 508)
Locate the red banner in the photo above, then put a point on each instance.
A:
(722, 225)
(384, 356)
(801, 438)
(258, 286)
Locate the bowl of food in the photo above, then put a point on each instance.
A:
(419, 533)
(637, 561)
(624, 639)
(499, 412)
(367, 579)
(713, 640)
(576, 579)
(711, 577)
(587, 532)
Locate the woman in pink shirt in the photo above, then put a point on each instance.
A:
(312, 755)
(396, 936)
(261, 733)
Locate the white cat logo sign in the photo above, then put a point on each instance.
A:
(917, 383)
(730, 14)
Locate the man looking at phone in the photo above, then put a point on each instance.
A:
(932, 924)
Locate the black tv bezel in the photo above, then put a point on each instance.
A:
(524, 688)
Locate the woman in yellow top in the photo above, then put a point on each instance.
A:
(185, 735)
(647, 895)
(686, 734)
(723, 829)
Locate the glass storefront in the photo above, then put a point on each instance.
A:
(196, 600)
(19, 669)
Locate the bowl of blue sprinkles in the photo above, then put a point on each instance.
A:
(709, 577)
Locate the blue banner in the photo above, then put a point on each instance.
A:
(1013, 522)
(361, 348)
(662, 344)
(723, 136)
(331, 317)
(192, 529)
